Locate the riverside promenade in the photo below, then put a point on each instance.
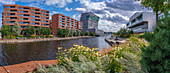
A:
(41, 39)
(30, 66)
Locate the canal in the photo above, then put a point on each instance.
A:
(22, 52)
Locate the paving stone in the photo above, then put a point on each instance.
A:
(46, 63)
(29, 66)
(15, 69)
(2, 70)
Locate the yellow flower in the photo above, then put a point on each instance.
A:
(65, 49)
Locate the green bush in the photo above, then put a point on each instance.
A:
(92, 34)
(84, 60)
(49, 36)
(12, 37)
(86, 33)
(6, 37)
(148, 36)
(31, 36)
(156, 57)
(20, 36)
(45, 36)
(40, 36)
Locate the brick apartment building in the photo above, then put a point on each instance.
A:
(25, 15)
(61, 21)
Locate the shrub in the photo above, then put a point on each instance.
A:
(148, 36)
(12, 37)
(86, 33)
(129, 54)
(49, 36)
(20, 36)
(83, 60)
(40, 36)
(32, 36)
(156, 57)
(92, 34)
(44, 36)
(6, 37)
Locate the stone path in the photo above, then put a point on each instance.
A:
(38, 40)
(26, 67)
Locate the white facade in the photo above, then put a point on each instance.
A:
(142, 21)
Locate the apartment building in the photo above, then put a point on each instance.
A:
(142, 21)
(61, 21)
(25, 15)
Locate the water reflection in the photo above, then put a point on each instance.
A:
(22, 52)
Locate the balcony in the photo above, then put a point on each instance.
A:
(35, 24)
(24, 23)
(11, 14)
(46, 24)
(10, 7)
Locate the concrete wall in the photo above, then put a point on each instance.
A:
(151, 18)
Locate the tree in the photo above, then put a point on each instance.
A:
(78, 32)
(86, 33)
(68, 31)
(16, 29)
(59, 32)
(5, 30)
(92, 34)
(158, 6)
(30, 30)
(39, 31)
(122, 32)
(156, 57)
(48, 31)
(82, 33)
(71, 32)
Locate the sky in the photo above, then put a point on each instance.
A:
(114, 14)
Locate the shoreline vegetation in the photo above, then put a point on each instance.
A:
(31, 66)
(41, 39)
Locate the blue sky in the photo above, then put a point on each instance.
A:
(114, 14)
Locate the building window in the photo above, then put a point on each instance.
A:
(61, 24)
(33, 16)
(8, 14)
(32, 19)
(45, 21)
(7, 10)
(7, 6)
(21, 8)
(21, 11)
(20, 14)
(87, 17)
(20, 22)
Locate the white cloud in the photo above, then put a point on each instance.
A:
(67, 9)
(81, 10)
(8, 1)
(76, 16)
(83, 1)
(58, 3)
(53, 12)
(113, 14)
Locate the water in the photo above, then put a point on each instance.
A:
(22, 52)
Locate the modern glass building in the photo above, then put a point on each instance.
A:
(90, 22)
